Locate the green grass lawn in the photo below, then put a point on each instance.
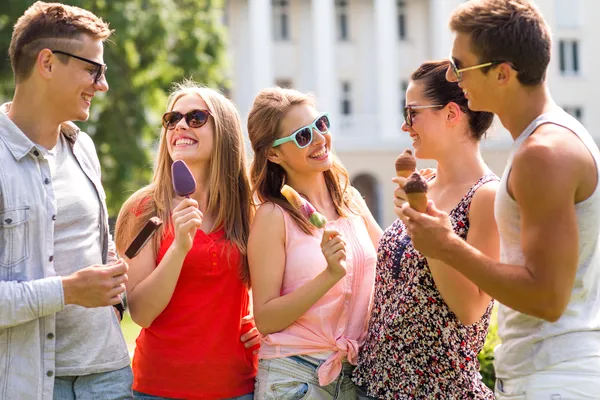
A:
(130, 331)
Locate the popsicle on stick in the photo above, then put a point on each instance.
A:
(143, 236)
(405, 164)
(300, 204)
(184, 183)
(416, 192)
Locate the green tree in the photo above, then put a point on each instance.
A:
(486, 356)
(155, 43)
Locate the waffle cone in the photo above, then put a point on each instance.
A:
(404, 173)
(418, 201)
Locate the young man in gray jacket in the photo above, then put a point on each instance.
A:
(59, 274)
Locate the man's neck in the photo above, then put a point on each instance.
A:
(523, 106)
(34, 118)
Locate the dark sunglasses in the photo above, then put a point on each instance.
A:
(194, 118)
(99, 71)
(408, 112)
(304, 136)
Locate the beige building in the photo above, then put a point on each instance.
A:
(357, 55)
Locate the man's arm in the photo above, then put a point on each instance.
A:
(93, 286)
(543, 182)
(26, 301)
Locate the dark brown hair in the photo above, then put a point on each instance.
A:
(50, 26)
(432, 75)
(267, 178)
(507, 30)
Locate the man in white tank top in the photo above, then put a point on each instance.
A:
(547, 209)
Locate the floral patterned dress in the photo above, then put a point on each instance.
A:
(416, 347)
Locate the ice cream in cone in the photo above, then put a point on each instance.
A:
(315, 218)
(416, 192)
(405, 164)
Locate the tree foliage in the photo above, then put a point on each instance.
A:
(155, 43)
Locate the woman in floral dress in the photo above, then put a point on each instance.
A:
(429, 322)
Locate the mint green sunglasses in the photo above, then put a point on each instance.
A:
(304, 136)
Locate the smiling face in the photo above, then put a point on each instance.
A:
(477, 85)
(428, 130)
(192, 145)
(72, 82)
(313, 158)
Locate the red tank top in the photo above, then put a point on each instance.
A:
(193, 350)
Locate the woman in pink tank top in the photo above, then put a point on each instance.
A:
(312, 287)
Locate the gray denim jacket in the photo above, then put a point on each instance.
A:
(30, 291)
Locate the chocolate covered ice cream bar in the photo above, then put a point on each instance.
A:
(142, 238)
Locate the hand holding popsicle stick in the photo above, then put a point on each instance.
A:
(334, 250)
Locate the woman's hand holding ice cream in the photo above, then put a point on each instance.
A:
(411, 185)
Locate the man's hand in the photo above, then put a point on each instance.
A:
(96, 285)
(430, 233)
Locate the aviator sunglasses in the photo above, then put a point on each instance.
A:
(194, 118)
(304, 136)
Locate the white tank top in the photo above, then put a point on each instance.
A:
(530, 344)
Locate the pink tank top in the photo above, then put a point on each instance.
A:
(337, 323)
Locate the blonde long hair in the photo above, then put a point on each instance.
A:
(229, 197)
(264, 123)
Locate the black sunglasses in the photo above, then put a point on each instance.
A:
(98, 72)
(194, 118)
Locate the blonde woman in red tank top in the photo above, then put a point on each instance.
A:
(312, 287)
(188, 289)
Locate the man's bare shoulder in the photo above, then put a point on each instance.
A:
(554, 157)
(553, 146)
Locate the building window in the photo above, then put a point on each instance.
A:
(403, 88)
(281, 20)
(569, 57)
(346, 104)
(576, 112)
(341, 8)
(368, 187)
(401, 19)
(284, 83)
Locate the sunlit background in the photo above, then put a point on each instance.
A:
(355, 55)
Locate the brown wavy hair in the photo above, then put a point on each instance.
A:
(507, 30)
(229, 197)
(264, 124)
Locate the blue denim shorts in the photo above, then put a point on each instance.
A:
(296, 378)
(111, 385)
